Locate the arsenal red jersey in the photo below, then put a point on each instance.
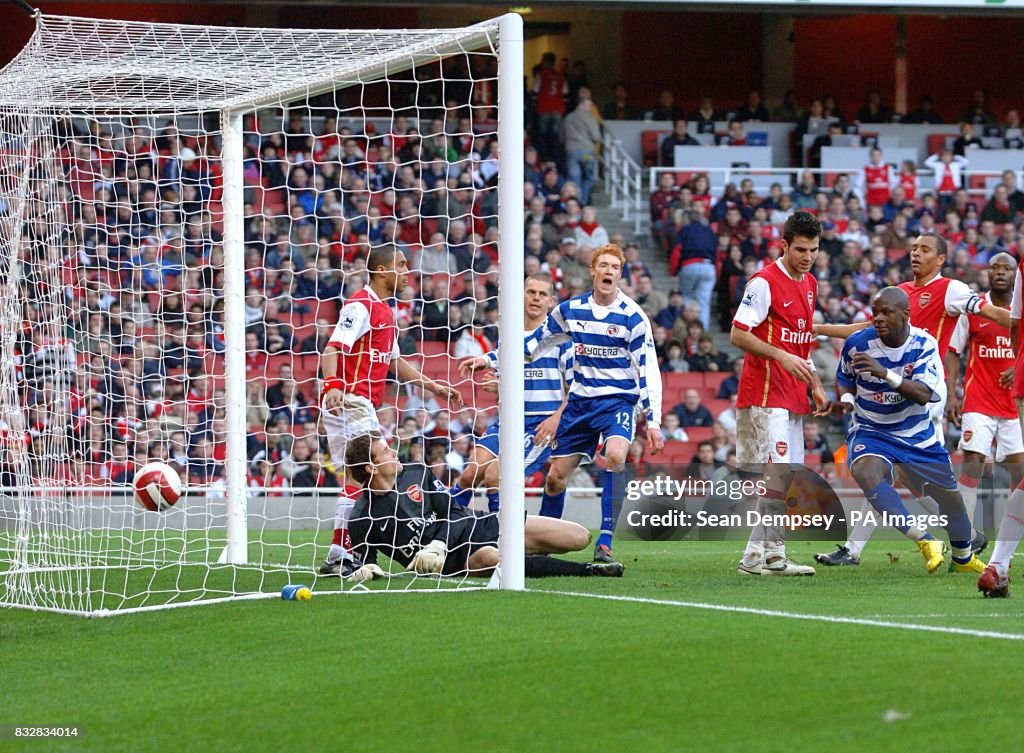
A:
(366, 341)
(778, 310)
(989, 354)
(936, 306)
(876, 184)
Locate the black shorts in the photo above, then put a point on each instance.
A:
(466, 536)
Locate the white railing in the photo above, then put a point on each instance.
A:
(624, 182)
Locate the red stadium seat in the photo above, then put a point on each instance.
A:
(937, 141)
(649, 143)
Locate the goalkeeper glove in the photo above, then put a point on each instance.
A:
(365, 573)
(429, 559)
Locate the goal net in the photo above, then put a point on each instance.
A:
(184, 211)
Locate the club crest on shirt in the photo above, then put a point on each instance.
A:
(612, 330)
(908, 371)
(967, 435)
(415, 493)
(781, 448)
(925, 299)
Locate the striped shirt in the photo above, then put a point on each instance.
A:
(543, 378)
(878, 406)
(613, 349)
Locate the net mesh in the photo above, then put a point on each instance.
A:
(113, 278)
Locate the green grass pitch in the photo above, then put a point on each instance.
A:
(542, 671)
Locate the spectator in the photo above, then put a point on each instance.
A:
(581, 135)
(650, 300)
(735, 135)
(549, 90)
(693, 259)
(925, 113)
(705, 115)
(672, 311)
(966, 140)
(703, 465)
(730, 386)
(675, 360)
(948, 168)
(998, 208)
(590, 234)
(707, 357)
(672, 430)
(678, 137)
(754, 108)
(727, 418)
(804, 195)
(977, 112)
(692, 412)
(666, 108)
(619, 108)
(874, 110)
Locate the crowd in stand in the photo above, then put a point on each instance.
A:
(135, 247)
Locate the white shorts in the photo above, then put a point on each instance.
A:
(769, 435)
(980, 431)
(357, 417)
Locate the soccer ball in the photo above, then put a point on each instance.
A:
(157, 486)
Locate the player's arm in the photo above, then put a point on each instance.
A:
(486, 361)
(548, 428)
(753, 309)
(553, 331)
(353, 323)
(842, 331)
(960, 299)
(846, 383)
(822, 402)
(958, 344)
(641, 349)
(406, 372)
(922, 390)
(431, 556)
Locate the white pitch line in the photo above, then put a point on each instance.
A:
(799, 616)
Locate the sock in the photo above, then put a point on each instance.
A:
(774, 504)
(540, 566)
(885, 498)
(341, 544)
(969, 490)
(929, 505)
(492, 501)
(861, 533)
(611, 505)
(552, 505)
(461, 496)
(1011, 530)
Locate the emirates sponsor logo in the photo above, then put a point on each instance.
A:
(787, 335)
(810, 299)
(380, 356)
(1002, 349)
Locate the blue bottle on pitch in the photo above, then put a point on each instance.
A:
(295, 592)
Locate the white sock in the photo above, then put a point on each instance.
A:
(970, 495)
(861, 533)
(929, 505)
(756, 543)
(1011, 529)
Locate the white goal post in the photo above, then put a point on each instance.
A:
(90, 550)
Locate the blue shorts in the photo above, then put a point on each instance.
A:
(588, 421)
(930, 465)
(536, 457)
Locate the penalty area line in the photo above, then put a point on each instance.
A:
(866, 622)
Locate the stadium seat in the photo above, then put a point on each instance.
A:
(938, 141)
(649, 143)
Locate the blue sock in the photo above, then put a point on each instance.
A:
(611, 505)
(960, 532)
(492, 501)
(885, 498)
(552, 505)
(462, 496)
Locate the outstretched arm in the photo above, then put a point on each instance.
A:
(841, 331)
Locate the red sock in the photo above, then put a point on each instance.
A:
(338, 533)
(969, 481)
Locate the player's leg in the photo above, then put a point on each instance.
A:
(613, 491)
(873, 473)
(552, 536)
(482, 562)
(553, 502)
(979, 431)
(958, 525)
(483, 459)
(357, 417)
(995, 580)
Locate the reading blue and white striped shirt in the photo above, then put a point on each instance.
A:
(543, 378)
(878, 406)
(613, 349)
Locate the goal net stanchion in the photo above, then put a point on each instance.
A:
(146, 239)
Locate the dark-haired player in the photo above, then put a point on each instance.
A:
(356, 362)
(773, 326)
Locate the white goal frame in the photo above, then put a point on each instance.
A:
(94, 66)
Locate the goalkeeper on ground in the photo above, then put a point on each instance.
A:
(407, 515)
